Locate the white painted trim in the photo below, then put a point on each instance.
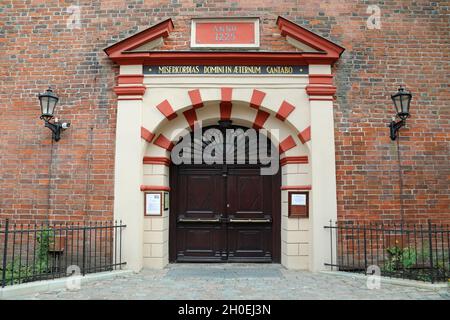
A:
(253, 45)
(214, 81)
(130, 69)
(319, 69)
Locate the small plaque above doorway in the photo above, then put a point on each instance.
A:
(225, 33)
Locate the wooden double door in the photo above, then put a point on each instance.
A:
(224, 213)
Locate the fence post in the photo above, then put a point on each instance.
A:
(84, 251)
(331, 244)
(365, 249)
(5, 252)
(430, 245)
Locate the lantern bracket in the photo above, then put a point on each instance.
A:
(56, 128)
(394, 127)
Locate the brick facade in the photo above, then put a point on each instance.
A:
(38, 49)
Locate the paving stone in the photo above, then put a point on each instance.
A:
(236, 281)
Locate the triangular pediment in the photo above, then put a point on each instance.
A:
(148, 46)
(145, 40)
(306, 40)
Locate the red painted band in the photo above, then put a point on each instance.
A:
(320, 90)
(260, 119)
(130, 91)
(321, 79)
(294, 160)
(257, 98)
(305, 135)
(225, 110)
(156, 160)
(196, 98)
(191, 117)
(146, 135)
(287, 144)
(285, 110)
(163, 142)
(130, 79)
(307, 187)
(226, 94)
(154, 188)
(166, 109)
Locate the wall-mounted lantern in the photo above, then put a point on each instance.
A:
(48, 101)
(401, 99)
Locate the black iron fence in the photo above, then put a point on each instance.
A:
(48, 251)
(418, 252)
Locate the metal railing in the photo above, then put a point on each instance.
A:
(32, 252)
(410, 251)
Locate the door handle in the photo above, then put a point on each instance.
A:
(250, 220)
(198, 220)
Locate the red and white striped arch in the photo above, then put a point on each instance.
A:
(254, 108)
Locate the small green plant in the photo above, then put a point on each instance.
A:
(44, 240)
(17, 272)
(400, 258)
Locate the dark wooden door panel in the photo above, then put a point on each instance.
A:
(224, 213)
(248, 242)
(200, 234)
(201, 242)
(248, 194)
(250, 215)
(200, 194)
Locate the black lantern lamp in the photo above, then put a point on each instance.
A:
(402, 100)
(48, 101)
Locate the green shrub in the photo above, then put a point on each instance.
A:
(400, 258)
(16, 272)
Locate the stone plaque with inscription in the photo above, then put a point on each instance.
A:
(223, 33)
(226, 69)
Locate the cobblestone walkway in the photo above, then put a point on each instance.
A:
(237, 281)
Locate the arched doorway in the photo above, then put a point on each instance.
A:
(224, 212)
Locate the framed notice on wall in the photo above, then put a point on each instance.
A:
(298, 204)
(153, 203)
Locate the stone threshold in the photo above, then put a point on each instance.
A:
(394, 281)
(26, 289)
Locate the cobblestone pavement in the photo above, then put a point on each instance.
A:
(237, 281)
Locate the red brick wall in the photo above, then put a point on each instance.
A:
(38, 49)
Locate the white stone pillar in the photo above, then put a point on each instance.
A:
(128, 198)
(323, 171)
